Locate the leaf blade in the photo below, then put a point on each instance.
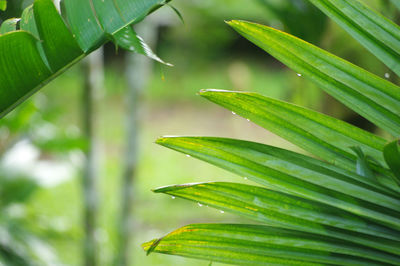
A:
(373, 97)
(253, 160)
(259, 245)
(376, 33)
(281, 210)
(54, 34)
(22, 68)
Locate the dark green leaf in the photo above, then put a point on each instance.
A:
(83, 24)
(22, 68)
(54, 35)
(28, 24)
(44, 60)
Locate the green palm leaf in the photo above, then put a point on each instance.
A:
(291, 173)
(378, 34)
(373, 97)
(281, 210)
(263, 245)
(326, 137)
(33, 56)
(320, 134)
(344, 210)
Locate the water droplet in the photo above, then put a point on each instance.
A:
(187, 155)
(200, 205)
(233, 113)
(222, 212)
(387, 75)
(173, 197)
(245, 178)
(298, 74)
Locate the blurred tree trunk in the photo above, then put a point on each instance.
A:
(93, 75)
(138, 71)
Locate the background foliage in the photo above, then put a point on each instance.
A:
(49, 129)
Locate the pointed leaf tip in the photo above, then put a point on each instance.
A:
(172, 188)
(164, 140)
(152, 247)
(232, 22)
(206, 91)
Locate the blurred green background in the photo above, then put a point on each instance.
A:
(41, 143)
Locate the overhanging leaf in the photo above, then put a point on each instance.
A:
(28, 24)
(53, 36)
(83, 24)
(22, 67)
